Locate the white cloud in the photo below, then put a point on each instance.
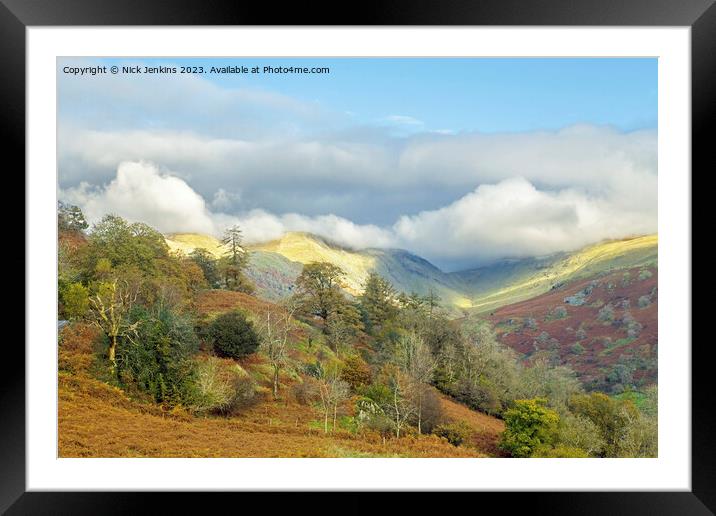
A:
(509, 218)
(141, 193)
(513, 218)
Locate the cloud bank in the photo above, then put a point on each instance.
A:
(188, 155)
(511, 217)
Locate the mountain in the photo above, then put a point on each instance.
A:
(511, 281)
(274, 266)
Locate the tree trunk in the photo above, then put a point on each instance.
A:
(325, 422)
(335, 410)
(112, 350)
(275, 382)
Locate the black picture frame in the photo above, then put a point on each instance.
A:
(17, 15)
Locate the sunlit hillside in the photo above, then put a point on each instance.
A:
(275, 265)
(304, 248)
(532, 277)
(187, 242)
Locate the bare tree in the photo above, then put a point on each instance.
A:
(418, 362)
(274, 330)
(401, 408)
(333, 391)
(110, 307)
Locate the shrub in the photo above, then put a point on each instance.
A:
(232, 335)
(577, 348)
(644, 274)
(606, 313)
(75, 300)
(579, 432)
(530, 323)
(581, 334)
(644, 301)
(158, 359)
(305, 392)
(559, 312)
(456, 433)
(356, 372)
(219, 387)
(528, 425)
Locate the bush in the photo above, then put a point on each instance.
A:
(577, 348)
(644, 301)
(75, 300)
(559, 312)
(606, 313)
(528, 425)
(158, 359)
(356, 372)
(220, 387)
(305, 392)
(456, 433)
(232, 335)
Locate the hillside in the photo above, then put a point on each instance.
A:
(275, 265)
(305, 248)
(604, 328)
(100, 420)
(511, 281)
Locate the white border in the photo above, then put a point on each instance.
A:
(671, 471)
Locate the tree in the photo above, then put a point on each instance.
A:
(611, 416)
(341, 326)
(110, 308)
(232, 335)
(377, 302)
(529, 424)
(416, 360)
(319, 289)
(208, 265)
(578, 432)
(70, 218)
(401, 406)
(75, 300)
(333, 391)
(413, 301)
(432, 300)
(158, 357)
(274, 329)
(127, 245)
(235, 260)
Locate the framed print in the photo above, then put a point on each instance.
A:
(417, 253)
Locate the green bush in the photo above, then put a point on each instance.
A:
(157, 360)
(75, 300)
(233, 336)
(528, 425)
(456, 433)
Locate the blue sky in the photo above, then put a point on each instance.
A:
(459, 160)
(464, 94)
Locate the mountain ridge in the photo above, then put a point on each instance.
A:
(274, 265)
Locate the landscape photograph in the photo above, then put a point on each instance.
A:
(357, 257)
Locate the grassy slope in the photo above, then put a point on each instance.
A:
(303, 248)
(98, 420)
(187, 242)
(537, 276)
